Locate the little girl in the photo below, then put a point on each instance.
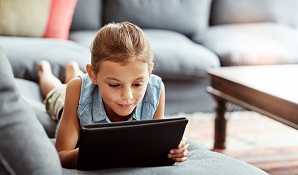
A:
(118, 86)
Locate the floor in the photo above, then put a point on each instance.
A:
(253, 138)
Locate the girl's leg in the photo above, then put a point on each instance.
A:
(47, 81)
(72, 70)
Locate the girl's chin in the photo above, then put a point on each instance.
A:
(123, 111)
(124, 114)
(121, 116)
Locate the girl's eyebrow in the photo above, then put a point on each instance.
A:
(111, 78)
(115, 79)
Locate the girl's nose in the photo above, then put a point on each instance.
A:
(127, 94)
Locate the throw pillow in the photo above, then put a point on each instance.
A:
(23, 18)
(60, 19)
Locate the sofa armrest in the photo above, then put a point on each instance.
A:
(24, 147)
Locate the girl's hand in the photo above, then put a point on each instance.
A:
(180, 153)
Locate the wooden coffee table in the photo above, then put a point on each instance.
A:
(269, 90)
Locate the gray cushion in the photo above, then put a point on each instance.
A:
(184, 16)
(200, 161)
(83, 37)
(24, 147)
(25, 53)
(30, 92)
(248, 11)
(87, 15)
(252, 44)
(188, 96)
(177, 56)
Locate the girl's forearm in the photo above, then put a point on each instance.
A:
(69, 158)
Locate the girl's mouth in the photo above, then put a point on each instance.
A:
(125, 105)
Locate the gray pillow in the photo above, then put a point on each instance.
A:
(30, 51)
(24, 147)
(251, 11)
(177, 57)
(184, 16)
(252, 44)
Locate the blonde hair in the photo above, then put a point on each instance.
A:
(122, 43)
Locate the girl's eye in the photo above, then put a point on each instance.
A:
(137, 84)
(114, 85)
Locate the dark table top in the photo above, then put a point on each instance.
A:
(278, 80)
(270, 90)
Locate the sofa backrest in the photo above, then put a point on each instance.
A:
(184, 16)
(87, 15)
(251, 11)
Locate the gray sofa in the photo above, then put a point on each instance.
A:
(26, 149)
(23, 139)
(188, 37)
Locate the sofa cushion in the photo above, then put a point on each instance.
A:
(60, 18)
(83, 37)
(16, 20)
(176, 56)
(201, 161)
(25, 53)
(230, 11)
(184, 16)
(252, 44)
(24, 147)
(30, 92)
(87, 15)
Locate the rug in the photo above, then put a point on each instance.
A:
(252, 138)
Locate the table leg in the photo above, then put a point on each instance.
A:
(220, 124)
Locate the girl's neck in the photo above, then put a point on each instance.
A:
(116, 118)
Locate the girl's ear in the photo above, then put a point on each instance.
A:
(151, 68)
(91, 74)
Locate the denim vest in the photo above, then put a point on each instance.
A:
(91, 109)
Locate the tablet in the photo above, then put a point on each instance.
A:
(140, 143)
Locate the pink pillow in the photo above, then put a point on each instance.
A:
(60, 18)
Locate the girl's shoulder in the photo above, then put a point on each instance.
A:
(74, 83)
(88, 90)
(155, 79)
(153, 89)
(86, 82)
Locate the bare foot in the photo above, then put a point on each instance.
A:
(72, 70)
(44, 68)
(47, 81)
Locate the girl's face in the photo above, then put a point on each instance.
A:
(122, 87)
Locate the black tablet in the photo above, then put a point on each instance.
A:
(129, 144)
